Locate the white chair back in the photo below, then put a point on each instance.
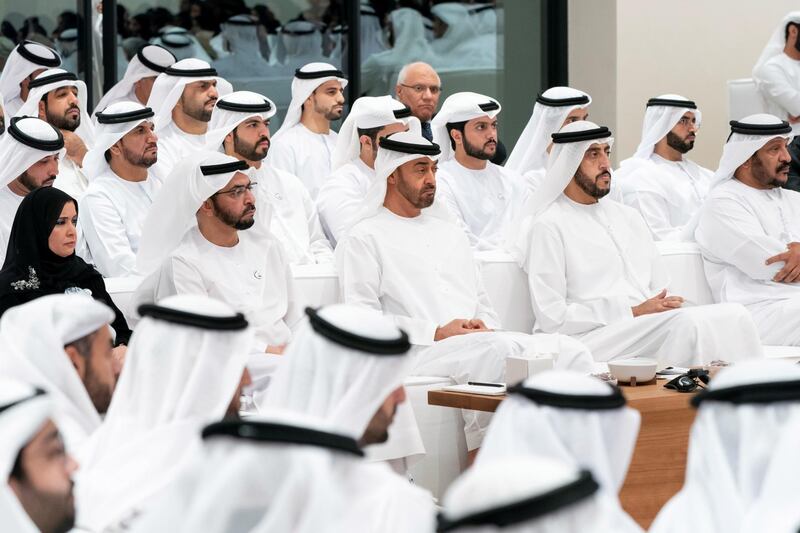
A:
(744, 99)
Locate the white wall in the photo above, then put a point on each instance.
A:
(687, 47)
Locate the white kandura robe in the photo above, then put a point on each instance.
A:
(668, 195)
(421, 272)
(174, 144)
(295, 221)
(484, 201)
(779, 84)
(71, 179)
(341, 198)
(112, 213)
(739, 229)
(305, 154)
(590, 264)
(9, 203)
(252, 277)
(12, 105)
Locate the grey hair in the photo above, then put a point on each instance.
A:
(401, 76)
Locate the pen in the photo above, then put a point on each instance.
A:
(481, 384)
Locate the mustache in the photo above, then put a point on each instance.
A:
(212, 100)
(782, 167)
(605, 174)
(264, 139)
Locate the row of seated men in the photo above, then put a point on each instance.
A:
(172, 455)
(214, 229)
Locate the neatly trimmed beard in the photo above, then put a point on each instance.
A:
(198, 111)
(63, 122)
(415, 198)
(251, 152)
(139, 160)
(30, 183)
(676, 143)
(234, 220)
(589, 185)
(479, 152)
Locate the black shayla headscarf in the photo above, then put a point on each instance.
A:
(28, 248)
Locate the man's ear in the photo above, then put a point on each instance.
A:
(79, 362)
(115, 148)
(392, 178)
(42, 110)
(456, 136)
(227, 142)
(206, 208)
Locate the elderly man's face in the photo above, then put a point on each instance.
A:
(420, 91)
(770, 165)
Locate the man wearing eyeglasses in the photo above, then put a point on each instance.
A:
(198, 239)
(419, 87)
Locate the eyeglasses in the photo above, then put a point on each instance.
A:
(419, 88)
(238, 191)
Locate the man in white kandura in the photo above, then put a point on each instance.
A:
(554, 108)
(242, 37)
(572, 418)
(341, 196)
(137, 83)
(59, 98)
(30, 151)
(185, 368)
(61, 343)
(36, 493)
(275, 471)
(183, 98)
(26, 61)
(658, 181)
(240, 128)
(405, 256)
(305, 142)
(121, 189)
(196, 240)
(742, 446)
(749, 229)
(595, 273)
(526, 494)
(485, 198)
(346, 366)
(777, 71)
